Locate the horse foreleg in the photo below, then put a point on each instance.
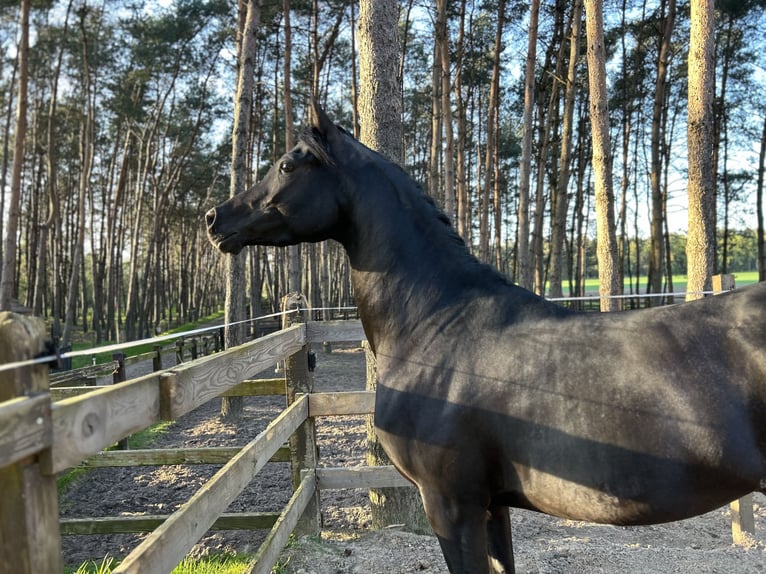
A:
(500, 540)
(462, 533)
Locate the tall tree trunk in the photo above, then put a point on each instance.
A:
(560, 198)
(700, 242)
(51, 224)
(381, 129)
(6, 156)
(87, 143)
(235, 284)
(761, 239)
(463, 211)
(524, 259)
(10, 254)
(294, 251)
(493, 162)
(442, 43)
(379, 93)
(434, 157)
(354, 85)
(609, 280)
(721, 144)
(659, 117)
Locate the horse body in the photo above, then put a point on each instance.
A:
(489, 396)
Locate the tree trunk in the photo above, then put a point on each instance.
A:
(463, 210)
(293, 251)
(10, 253)
(442, 45)
(523, 256)
(380, 122)
(231, 407)
(560, 199)
(659, 116)
(759, 207)
(434, 156)
(493, 135)
(609, 280)
(700, 243)
(379, 94)
(87, 143)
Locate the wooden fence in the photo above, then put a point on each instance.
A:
(41, 436)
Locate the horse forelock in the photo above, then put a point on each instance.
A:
(313, 139)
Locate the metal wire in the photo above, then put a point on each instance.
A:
(119, 346)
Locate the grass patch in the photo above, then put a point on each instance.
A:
(217, 564)
(78, 362)
(148, 436)
(679, 282)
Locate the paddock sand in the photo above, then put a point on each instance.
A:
(542, 544)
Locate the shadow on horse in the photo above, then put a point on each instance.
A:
(492, 397)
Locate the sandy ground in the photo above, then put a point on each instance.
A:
(542, 544)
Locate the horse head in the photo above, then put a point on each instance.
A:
(297, 201)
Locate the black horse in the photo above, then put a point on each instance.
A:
(490, 396)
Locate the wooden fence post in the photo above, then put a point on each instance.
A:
(180, 351)
(30, 541)
(119, 376)
(157, 359)
(742, 518)
(389, 506)
(303, 448)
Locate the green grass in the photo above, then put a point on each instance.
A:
(216, 564)
(679, 282)
(78, 362)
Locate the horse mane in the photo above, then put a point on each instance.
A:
(317, 145)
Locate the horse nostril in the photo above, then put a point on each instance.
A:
(210, 218)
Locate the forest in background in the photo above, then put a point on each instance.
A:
(128, 134)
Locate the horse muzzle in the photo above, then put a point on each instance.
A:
(225, 242)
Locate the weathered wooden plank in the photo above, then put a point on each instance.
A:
(190, 385)
(168, 544)
(257, 388)
(161, 457)
(277, 539)
(88, 372)
(248, 388)
(360, 477)
(149, 522)
(345, 403)
(22, 429)
(334, 331)
(29, 535)
(85, 425)
(61, 393)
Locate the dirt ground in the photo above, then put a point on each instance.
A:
(542, 544)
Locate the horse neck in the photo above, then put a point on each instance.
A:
(405, 262)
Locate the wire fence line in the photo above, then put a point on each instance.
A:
(50, 358)
(678, 294)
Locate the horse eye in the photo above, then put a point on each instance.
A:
(286, 167)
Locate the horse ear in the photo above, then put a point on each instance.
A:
(321, 121)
